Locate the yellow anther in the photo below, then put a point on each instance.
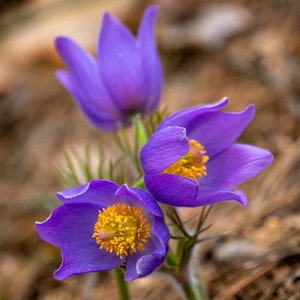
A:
(192, 164)
(121, 229)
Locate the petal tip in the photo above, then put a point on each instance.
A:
(60, 42)
(60, 275)
(225, 99)
(109, 20)
(152, 9)
(106, 17)
(251, 109)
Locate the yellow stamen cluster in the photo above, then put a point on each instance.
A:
(192, 164)
(121, 229)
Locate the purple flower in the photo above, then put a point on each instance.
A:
(102, 225)
(192, 160)
(124, 79)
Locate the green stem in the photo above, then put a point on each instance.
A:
(122, 285)
(141, 132)
(191, 284)
(193, 292)
(140, 183)
(188, 272)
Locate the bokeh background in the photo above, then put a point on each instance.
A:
(246, 50)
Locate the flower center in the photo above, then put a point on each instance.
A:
(192, 164)
(121, 229)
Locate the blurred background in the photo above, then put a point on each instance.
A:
(246, 50)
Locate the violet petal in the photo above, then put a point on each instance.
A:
(217, 131)
(100, 192)
(184, 116)
(150, 58)
(235, 165)
(121, 66)
(172, 189)
(96, 115)
(164, 148)
(85, 73)
(136, 195)
(69, 223)
(83, 257)
(208, 196)
(144, 262)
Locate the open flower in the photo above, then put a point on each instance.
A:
(124, 79)
(192, 160)
(102, 225)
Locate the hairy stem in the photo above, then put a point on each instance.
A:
(122, 285)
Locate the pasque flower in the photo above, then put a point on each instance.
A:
(124, 79)
(102, 225)
(192, 159)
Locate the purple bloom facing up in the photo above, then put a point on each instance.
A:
(102, 225)
(192, 160)
(124, 79)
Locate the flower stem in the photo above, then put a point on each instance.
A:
(191, 284)
(122, 285)
(193, 292)
(140, 183)
(188, 271)
(141, 132)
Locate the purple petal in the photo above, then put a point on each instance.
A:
(216, 131)
(79, 62)
(121, 66)
(100, 192)
(135, 196)
(83, 257)
(150, 58)
(161, 230)
(69, 223)
(184, 117)
(98, 117)
(145, 262)
(86, 78)
(172, 189)
(131, 261)
(140, 266)
(149, 263)
(235, 165)
(208, 196)
(164, 148)
(70, 227)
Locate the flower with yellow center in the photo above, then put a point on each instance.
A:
(126, 223)
(179, 171)
(192, 164)
(121, 229)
